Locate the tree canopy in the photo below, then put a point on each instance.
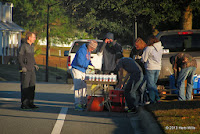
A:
(94, 18)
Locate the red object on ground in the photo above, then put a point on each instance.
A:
(117, 100)
(95, 103)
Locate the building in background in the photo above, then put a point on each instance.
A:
(10, 34)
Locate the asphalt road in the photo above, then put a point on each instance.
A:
(56, 114)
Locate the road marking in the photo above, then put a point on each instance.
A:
(60, 121)
(72, 88)
(9, 99)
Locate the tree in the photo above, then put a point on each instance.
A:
(32, 16)
(117, 16)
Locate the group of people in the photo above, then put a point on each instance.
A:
(142, 67)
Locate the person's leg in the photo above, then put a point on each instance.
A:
(190, 83)
(142, 89)
(32, 89)
(25, 98)
(157, 72)
(77, 86)
(151, 85)
(137, 78)
(83, 90)
(181, 83)
(127, 90)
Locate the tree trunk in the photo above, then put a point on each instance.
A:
(187, 18)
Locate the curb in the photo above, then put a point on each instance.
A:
(144, 123)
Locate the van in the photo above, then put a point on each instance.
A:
(96, 59)
(175, 41)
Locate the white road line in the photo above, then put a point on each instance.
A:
(9, 99)
(60, 121)
(72, 88)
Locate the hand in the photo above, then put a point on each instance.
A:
(36, 67)
(24, 70)
(119, 86)
(108, 40)
(91, 67)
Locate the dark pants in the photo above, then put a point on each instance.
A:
(131, 90)
(28, 80)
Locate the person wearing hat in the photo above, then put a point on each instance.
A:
(110, 48)
(79, 65)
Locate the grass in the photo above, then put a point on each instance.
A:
(11, 73)
(54, 51)
(177, 117)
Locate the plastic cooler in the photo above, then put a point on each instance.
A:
(117, 100)
(196, 84)
(95, 103)
(172, 84)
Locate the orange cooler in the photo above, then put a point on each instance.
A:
(95, 103)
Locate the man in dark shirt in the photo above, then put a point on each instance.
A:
(188, 67)
(110, 48)
(27, 68)
(135, 75)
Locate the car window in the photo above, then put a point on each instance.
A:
(183, 42)
(77, 45)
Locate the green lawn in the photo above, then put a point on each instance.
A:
(178, 117)
(11, 73)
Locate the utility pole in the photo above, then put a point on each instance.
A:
(47, 48)
(135, 29)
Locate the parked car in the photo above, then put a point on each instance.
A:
(174, 41)
(96, 59)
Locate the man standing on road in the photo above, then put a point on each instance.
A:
(27, 68)
(79, 66)
(188, 67)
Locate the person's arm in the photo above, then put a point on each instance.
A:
(120, 82)
(175, 69)
(145, 54)
(20, 56)
(103, 46)
(81, 59)
(126, 78)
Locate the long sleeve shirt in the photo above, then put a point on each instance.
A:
(26, 56)
(82, 59)
(182, 60)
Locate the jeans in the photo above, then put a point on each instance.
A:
(131, 91)
(185, 73)
(152, 78)
(143, 88)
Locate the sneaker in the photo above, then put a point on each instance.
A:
(79, 107)
(148, 102)
(34, 107)
(84, 106)
(25, 107)
(133, 110)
